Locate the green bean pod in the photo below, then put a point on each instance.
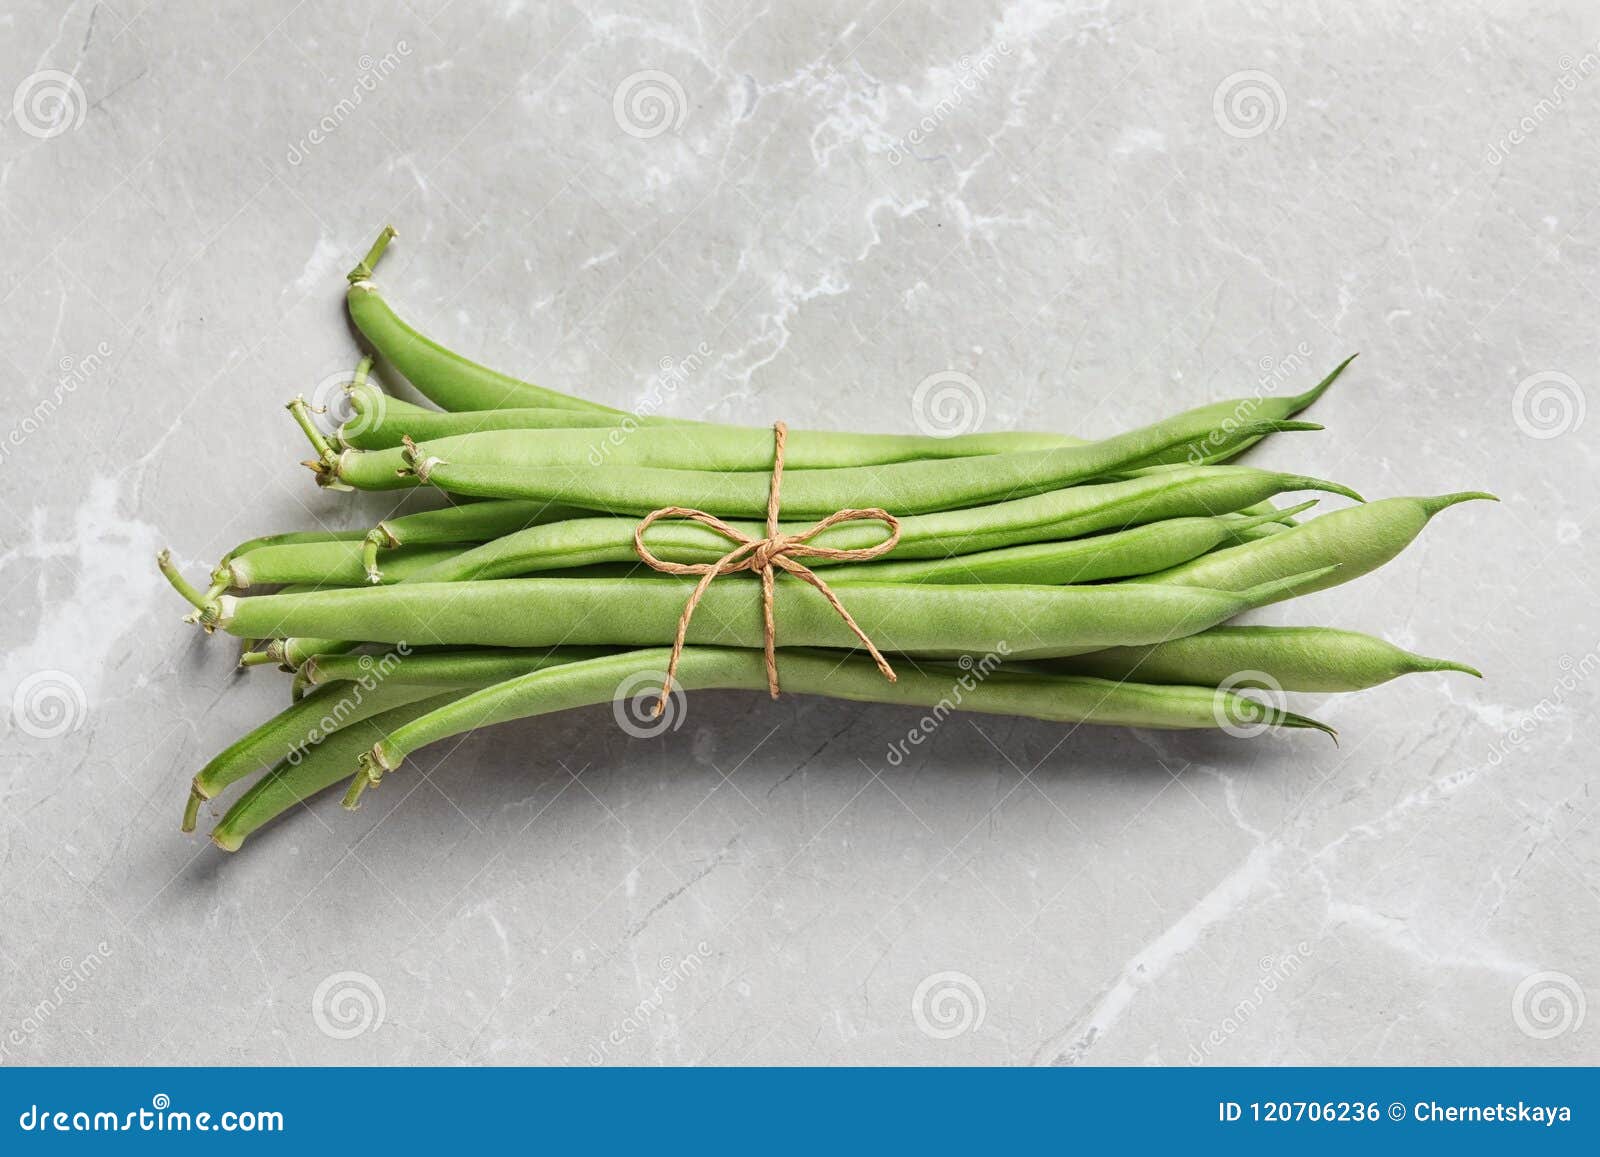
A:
(445, 378)
(292, 731)
(289, 785)
(1138, 550)
(336, 563)
(1058, 514)
(1055, 698)
(1293, 658)
(452, 668)
(902, 487)
(926, 620)
(1356, 540)
(467, 523)
(382, 422)
(1222, 419)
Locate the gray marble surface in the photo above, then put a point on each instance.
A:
(1082, 216)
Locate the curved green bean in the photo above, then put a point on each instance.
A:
(293, 730)
(469, 522)
(1056, 698)
(1356, 540)
(330, 762)
(445, 378)
(1294, 658)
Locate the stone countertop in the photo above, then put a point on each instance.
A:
(1046, 216)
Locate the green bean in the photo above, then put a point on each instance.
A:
(445, 378)
(292, 537)
(1138, 550)
(469, 522)
(1356, 540)
(457, 384)
(383, 422)
(294, 729)
(1223, 418)
(288, 785)
(1061, 699)
(337, 563)
(903, 487)
(1293, 658)
(446, 668)
(1059, 514)
(929, 620)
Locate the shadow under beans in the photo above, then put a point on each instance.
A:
(504, 777)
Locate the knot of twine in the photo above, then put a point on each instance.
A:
(765, 555)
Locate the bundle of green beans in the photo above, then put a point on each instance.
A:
(1035, 574)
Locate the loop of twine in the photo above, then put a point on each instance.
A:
(764, 555)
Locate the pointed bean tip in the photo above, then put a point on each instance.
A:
(1452, 665)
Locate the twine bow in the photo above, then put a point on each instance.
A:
(763, 555)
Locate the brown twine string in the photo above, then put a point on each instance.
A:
(762, 555)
